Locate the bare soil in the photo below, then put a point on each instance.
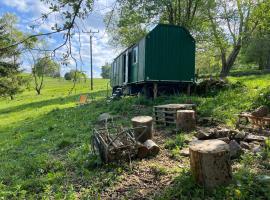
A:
(148, 176)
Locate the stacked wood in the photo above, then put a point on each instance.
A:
(143, 128)
(210, 162)
(186, 120)
(211, 85)
(114, 146)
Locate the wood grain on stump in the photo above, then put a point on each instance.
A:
(210, 162)
(146, 131)
(185, 120)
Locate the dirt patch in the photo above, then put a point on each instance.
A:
(148, 176)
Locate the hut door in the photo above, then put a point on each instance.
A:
(134, 64)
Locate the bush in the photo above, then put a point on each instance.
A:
(263, 99)
(68, 76)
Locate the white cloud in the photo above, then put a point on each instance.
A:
(18, 4)
(25, 6)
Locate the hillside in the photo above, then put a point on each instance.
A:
(46, 152)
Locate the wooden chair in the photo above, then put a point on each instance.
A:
(83, 99)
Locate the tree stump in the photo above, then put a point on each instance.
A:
(210, 163)
(185, 120)
(153, 148)
(146, 131)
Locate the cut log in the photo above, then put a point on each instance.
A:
(146, 131)
(142, 151)
(210, 162)
(153, 148)
(185, 120)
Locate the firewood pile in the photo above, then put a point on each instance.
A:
(239, 141)
(115, 143)
(211, 85)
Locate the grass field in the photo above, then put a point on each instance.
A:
(45, 140)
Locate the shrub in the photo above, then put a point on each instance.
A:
(177, 142)
(263, 99)
(67, 76)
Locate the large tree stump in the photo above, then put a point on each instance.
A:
(185, 120)
(210, 162)
(146, 131)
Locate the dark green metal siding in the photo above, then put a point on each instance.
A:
(117, 71)
(137, 71)
(133, 68)
(167, 53)
(170, 54)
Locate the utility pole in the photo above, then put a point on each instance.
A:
(91, 33)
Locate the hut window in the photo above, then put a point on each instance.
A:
(135, 55)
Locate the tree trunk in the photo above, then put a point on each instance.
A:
(268, 62)
(261, 64)
(38, 91)
(210, 163)
(11, 97)
(227, 65)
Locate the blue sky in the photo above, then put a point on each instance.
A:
(29, 10)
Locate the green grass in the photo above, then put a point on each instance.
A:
(45, 147)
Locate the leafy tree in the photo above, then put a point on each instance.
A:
(47, 67)
(105, 71)
(75, 76)
(258, 51)
(38, 60)
(232, 24)
(11, 79)
(133, 18)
